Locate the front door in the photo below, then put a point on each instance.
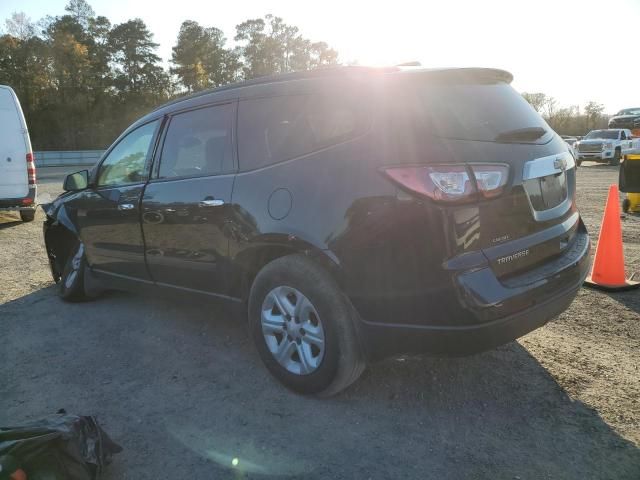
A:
(186, 206)
(108, 213)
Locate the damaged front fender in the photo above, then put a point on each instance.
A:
(60, 234)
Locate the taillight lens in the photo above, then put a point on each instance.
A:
(31, 168)
(452, 183)
(490, 179)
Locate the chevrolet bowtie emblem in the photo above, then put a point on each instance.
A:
(560, 164)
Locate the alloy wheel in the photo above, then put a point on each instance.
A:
(76, 262)
(292, 330)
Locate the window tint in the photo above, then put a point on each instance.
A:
(198, 142)
(623, 136)
(126, 162)
(467, 111)
(279, 128)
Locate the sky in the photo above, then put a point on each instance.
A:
(569, 49)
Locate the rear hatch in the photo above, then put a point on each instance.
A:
(13, 149)
(503, 179)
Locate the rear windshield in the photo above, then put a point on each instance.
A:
(470, 111)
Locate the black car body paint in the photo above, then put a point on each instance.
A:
(422, 275)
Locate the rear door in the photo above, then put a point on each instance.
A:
(476, 121)
(13, 147)
(108, 213)
(626, 142)
(185, 208)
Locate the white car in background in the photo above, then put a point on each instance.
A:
(17, 167)
(571, 142)
(610, 145)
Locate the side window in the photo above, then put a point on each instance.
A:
(198, 142)
(623, 136)
(125, 164)
(274, 129)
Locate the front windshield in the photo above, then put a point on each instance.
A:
(629, 111)
(604, 134)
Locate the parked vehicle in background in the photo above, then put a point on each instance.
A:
(626, 118)
(607, 145)
(17, 167)
(356, 212)
(571, 142)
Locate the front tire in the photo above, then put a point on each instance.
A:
(303, 327)
(616, 158)
(71, 286)
(27, 215)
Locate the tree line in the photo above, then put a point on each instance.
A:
(571, 120)
(81, 80)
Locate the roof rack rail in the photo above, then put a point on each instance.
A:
(414, 63)
(284, 77)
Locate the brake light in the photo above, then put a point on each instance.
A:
(456, 183)
(31, 168)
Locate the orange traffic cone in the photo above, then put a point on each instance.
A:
(608, 264)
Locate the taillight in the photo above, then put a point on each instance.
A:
(31, 168)
(490, 179)
(452, 183)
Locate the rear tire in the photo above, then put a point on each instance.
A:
(27, 215)
(71, 286)
(626, 204)
(330, 365)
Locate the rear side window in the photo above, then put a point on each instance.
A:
(274, 129)
(466, 111)
(198, 143)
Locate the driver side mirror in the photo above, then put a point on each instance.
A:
(76, 181)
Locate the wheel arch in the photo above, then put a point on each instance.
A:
(267, 248)
(60, 235)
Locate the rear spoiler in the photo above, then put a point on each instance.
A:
(463, 74)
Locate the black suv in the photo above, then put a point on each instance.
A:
(356, 212)
(627, 118)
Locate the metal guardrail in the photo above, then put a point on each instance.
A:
(75, 157)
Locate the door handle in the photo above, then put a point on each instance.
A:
(125, 206)
(211, 203)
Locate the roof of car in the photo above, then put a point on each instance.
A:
(343, 72)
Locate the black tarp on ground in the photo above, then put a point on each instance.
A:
(59, 447)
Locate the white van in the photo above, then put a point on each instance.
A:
(17, 167)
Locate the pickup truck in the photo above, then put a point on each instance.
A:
(607, 145)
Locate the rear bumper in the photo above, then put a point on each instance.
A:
(498, 311)
(23, 203)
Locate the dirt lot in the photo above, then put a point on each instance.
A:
(179, 385)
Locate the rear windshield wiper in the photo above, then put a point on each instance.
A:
(521, 134)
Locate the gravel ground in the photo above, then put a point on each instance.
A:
(179, 385)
